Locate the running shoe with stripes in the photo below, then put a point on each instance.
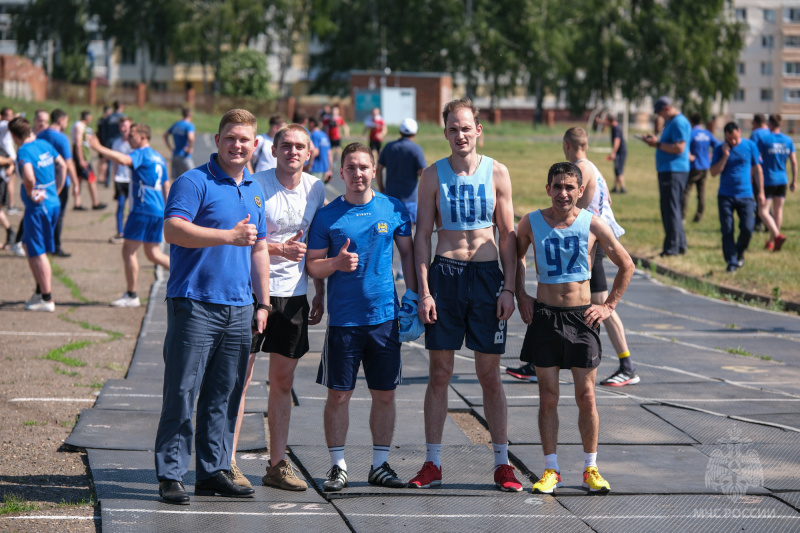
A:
(525, 372)
(505, 479)
(593, 481)
(549, 482)
(429, 476)
(384, 476)
(620, 378)
(337, 479)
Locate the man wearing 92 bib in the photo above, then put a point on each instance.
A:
(563, 325)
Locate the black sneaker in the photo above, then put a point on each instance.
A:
(99, 207)
(620, 378)
(337, 479)
(525, 372)
(384, 476)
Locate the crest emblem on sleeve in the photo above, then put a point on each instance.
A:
(257, 199)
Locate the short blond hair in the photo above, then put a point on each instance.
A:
(291, 127)
(577, 137)
(238, 116)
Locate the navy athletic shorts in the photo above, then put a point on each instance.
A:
(558, 336)
(466, 295)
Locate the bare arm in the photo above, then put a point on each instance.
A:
(317, 303)
(78, 131)
(615, 147)
(379, 176)
(619, 256)
(259, 277)
(73, 174)
(524, 300)
(507, 240)
(428, 195)
(184, 233)
(758, 176)
(719, 166)
(319, 265)
(793, 161)
(111, 155)
(670, 148)
(189, 148)
(167, 140)
(589, 184)
(61, 173)
(405, 245)
(28, 179)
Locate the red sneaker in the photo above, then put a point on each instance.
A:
(779, 240)
(429, 476)
(770, 245)
(505, 480)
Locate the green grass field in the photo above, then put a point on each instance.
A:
(528, 153)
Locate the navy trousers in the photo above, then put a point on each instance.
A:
(671, 186)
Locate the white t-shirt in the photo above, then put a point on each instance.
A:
(8, 145)
(123, 174)
(600, 204)
(288, 212)
(263, 159)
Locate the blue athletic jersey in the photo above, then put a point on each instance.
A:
(466, 202)
(735, 179)
(774, 149)
(700, 147)
(759, 133)
(321, 141)
(60, 142)
(149, 172)
(365, 296)
(562, 255)
(41, 155)
(676, 130)
(207, 197)
(180, 136)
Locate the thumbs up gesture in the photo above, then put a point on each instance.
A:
(295, 249)
(244, 233)
(346, 261)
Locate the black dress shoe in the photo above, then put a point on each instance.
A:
(173, 492)
(221, 484)
(62, 253)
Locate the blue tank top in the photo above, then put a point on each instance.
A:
(466, 202)
(562, 255)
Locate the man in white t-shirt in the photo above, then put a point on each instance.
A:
(7, 172)
(291, 199)
(122, 177)
(262, 156)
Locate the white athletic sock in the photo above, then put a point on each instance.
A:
(337, 457)
(380, 455)
(589, 459)
(500, 454)
(551, 462)
(433, 454)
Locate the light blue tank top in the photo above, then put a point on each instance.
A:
(466, 202)
(562, 255)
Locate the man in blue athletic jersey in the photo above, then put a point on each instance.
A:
(214, 222)
(775, 148)
(757, 134)
(322, 162)
(149, 190)
(562, 318)
(700, 146)
(463, 293)
(43, 172)
(183, 135)
(350, 243)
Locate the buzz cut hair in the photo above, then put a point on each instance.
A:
(565, 168)
(577, 137)
(238, 116)
(775, 120)
(462, 103)
(291, 127)
(357, 147)
(143, 129)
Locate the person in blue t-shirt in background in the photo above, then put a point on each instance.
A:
(149, 190)
(350, 243)
(404, 162)
(43, 172)
(736, 162)
(321, 161)
(775, 148)
(183, 135)
(759, 131)
(700, 146)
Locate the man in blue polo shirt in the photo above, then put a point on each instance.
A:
(775, 148)
(700, 146)
(736, 162)
(672, 164)
(322, 162)
(148, 193)
(404, 161)
(43, 172)
(183, 135)
(214, 221)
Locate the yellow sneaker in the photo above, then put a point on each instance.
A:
(547, 485)
(593, 481)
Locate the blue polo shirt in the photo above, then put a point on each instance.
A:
(180, 136)
(403, 159)
(676, 130)
(60, 142)
(149, 172)
(207, 197)
(703, 141)
(774, 149)
(320, 139)
(41, 155)
(735, 179)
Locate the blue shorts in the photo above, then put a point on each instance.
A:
(378, 346)
(411, 207)
(619, 164)
(144, 228)
(466, 295)
(38, 227)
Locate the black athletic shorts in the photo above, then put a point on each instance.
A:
(3, 192)
(121, 189)
(336, 143)
(598, 283)
(558, 336)
(619, 164)
(375, 145)
(771, 191)
(287, 327)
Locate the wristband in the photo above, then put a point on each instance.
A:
(658, 145)
(509, 290)
(423, 299)
(266, 307)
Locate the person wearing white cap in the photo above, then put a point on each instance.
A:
(404, 161)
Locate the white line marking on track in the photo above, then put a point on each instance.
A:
(52, 400)
(221, 513)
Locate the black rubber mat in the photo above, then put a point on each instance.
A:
(619, 424)
(780, 463)
(522, 393)
(705, 395)
(129, 475)
(695, 513)
(497, 512)
(123, 516)
(466, 470)
(306, 426)
(132, 430)
(145, 395)
(710, 429)
(640, 469)
(791, 420)
(792, 498)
